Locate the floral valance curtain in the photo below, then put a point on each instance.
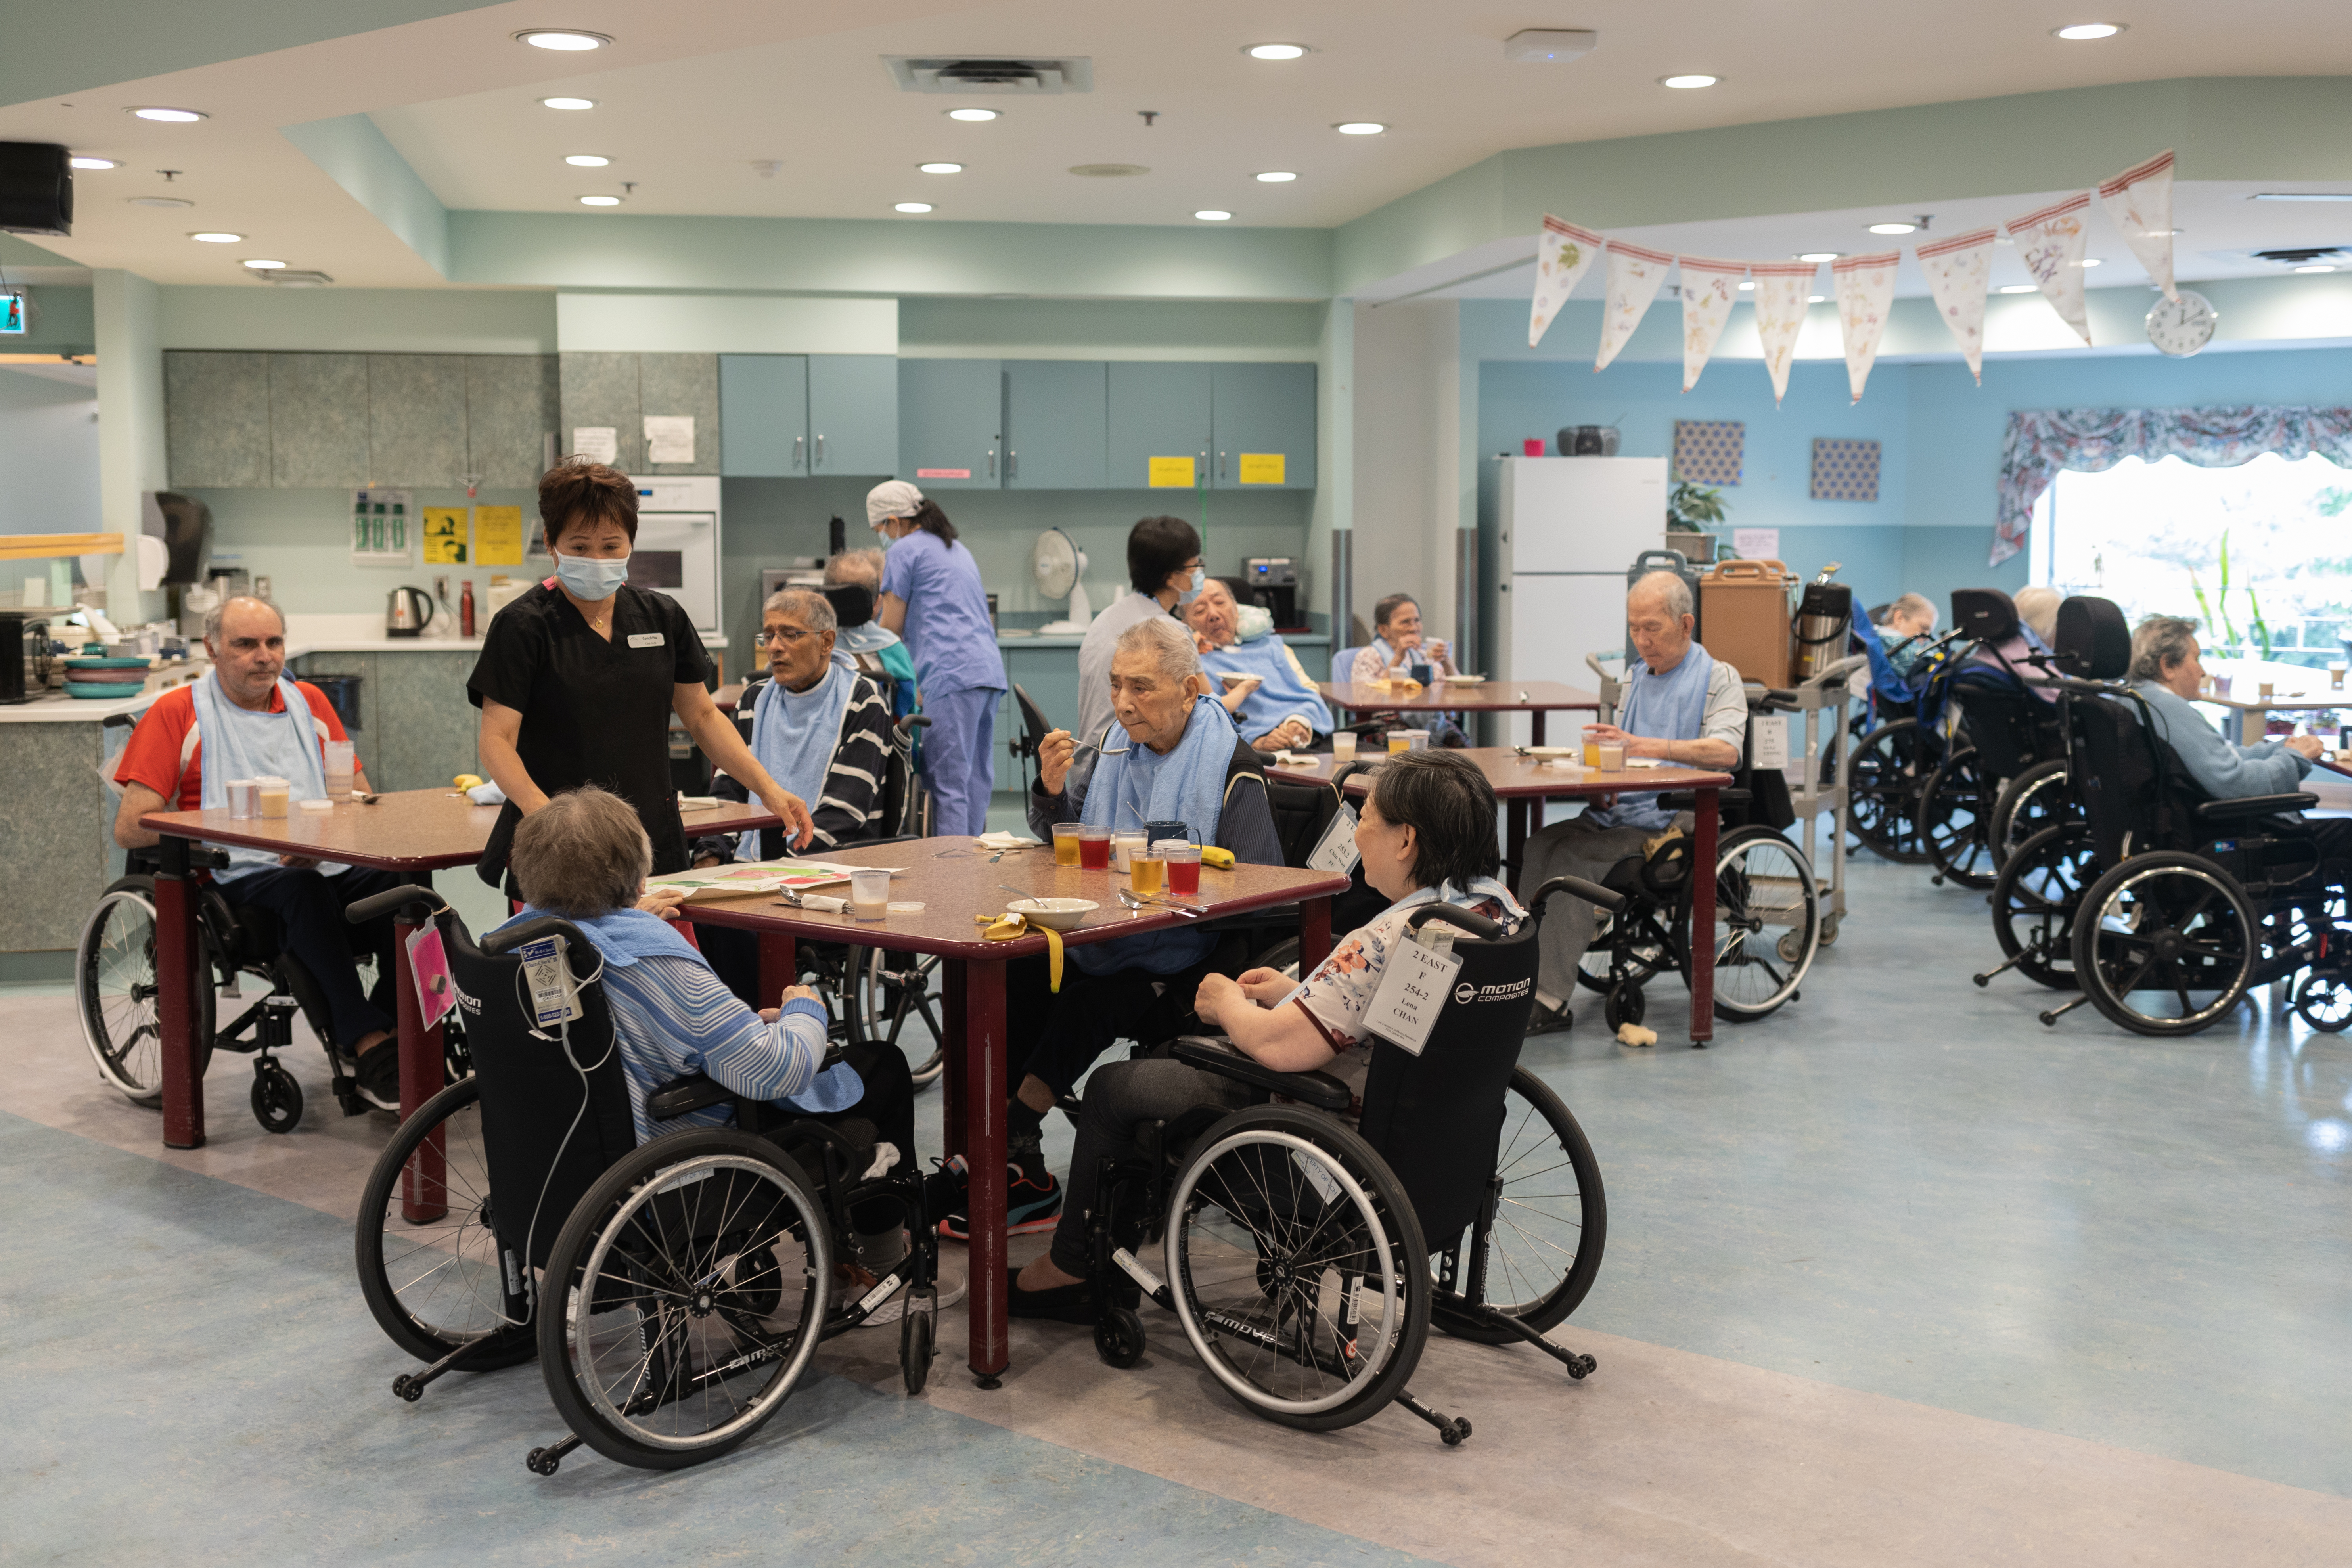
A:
(2090, 441)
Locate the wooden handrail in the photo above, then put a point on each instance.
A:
(49, 546)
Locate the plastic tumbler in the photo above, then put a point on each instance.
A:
(1125, 844)
(1183, 866)
(1094, 848)
(1612, 756)
(1343, 745)
(343, 765)
(1148, 865)
(243, 798)
(869, 893)
(275, 794)
(1592, 745)
(1065, 843)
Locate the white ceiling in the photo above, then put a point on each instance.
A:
(695, 91)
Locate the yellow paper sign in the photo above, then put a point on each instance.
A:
(498, 536)
(1172, 473)
(444, 536)
(1262, 468)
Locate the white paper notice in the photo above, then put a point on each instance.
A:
(597, 443)
(669, 437)
(1756, 543)
(1768, 740)
(1412, 993)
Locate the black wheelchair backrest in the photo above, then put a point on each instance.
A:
(852, 604)
(2092, 640)
(2131, 785)
(1437, 1118)
(1984, 615)
(531, 1092)
(1302, 809)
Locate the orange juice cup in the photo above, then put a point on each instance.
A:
(1065, 843)
(1592, 745)
(1149, 867)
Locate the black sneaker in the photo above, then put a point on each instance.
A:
(1033, 1201)
(1060, 1304)
(378, 1074)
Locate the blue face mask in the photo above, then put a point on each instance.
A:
(1200, 577)
(591, 579)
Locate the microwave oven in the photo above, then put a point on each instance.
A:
(678, 550)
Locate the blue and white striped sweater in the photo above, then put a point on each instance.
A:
(673, 1016)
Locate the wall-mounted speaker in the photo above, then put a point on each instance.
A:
(35, 188)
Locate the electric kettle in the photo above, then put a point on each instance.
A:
(406, 612)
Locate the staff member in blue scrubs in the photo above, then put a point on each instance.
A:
(579, 676)
(932, 596)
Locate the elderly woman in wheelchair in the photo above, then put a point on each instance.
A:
(689, 1194)
(1303, 1172)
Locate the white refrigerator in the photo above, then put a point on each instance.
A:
(1567, 529)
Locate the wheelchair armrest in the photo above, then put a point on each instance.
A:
(1319, 1089)
(680, 1095)
(411, 897)
(2253, 805)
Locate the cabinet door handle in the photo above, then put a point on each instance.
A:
(1221, 465)
(992, 462)
(1012, 465)
(1204, 469)
(820, 452)
(798, 443)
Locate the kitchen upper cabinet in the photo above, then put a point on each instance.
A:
(1056, 425)
(216, 420)
(1156, 410)
(763, 409)
(319, 421)
(951, 418)
(1265, 426)
(416, 420)
(853, 413)
(681, 384)
(511, 408)
(601, 389)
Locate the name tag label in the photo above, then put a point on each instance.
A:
(1412, 993)
(645, 639)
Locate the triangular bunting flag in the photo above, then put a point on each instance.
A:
(2140, 200)
(1709, 290)
(1634, 275)
(1959, 270)
(1783, 293)
(1563, 251)
(2050, 242)
(1865, 293)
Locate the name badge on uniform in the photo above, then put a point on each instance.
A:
(645, 639)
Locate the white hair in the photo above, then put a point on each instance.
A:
(813, 609)
(1667, 586)
(214, 616)
(863, 567)
(1170, 644)
(2037, 606)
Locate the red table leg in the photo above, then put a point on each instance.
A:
(1515, 811)
(1536, 728)
(1702, 926)
(176, 979)
(424, 1196)
(778, 964)
(951, 1037)
(984, 1089)
(1314, 933)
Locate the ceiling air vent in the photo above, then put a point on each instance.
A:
(296, 278)
(1019, 75)
(2304, 256)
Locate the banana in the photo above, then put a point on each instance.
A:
(467, 781)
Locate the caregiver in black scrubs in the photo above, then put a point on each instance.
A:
(578, 678)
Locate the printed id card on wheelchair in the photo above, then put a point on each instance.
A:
(1413, 989)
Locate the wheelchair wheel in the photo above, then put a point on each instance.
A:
(1767, 922)
(2324, 998)
(1625, 1003)
(1884, 779)
(2033, 800)
(649, 1341)
(1954, 805)
(918, 1329)
(1629, 957)
(1339, 1327)
(433, 1283)
(277, 1098)
(894, 989)
(2034, 901)
(2165, 944)
(1118, 1337)
(1552, 1221)
(115, 992)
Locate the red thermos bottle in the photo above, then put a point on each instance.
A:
(466, 610)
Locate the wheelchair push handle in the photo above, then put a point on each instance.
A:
(410, 896)
(1476, 924)
(1593, 893)
(507, 937)
(913, 722)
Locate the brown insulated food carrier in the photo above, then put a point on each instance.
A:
(1744, 618)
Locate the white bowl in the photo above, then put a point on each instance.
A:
(1466, 681)
(1062, 914)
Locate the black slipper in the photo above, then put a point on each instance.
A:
(1060, 1304)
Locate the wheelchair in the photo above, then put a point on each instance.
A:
(673, 1292)
(1767, 919)
(2178, 904)
(1307, 1260)
(2004, 731)
(115, 991)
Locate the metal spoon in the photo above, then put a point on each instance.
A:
(1134, 902)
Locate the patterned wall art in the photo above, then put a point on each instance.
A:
(1845, 470)
(1709, 451)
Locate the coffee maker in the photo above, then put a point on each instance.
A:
(24, 656)
(1273, 584)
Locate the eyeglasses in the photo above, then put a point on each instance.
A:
(789, 636)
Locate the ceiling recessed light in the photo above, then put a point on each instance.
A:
(586, 161)
(1692, 80)
(264, 266)
(2080, 32)
(1815, 299)
(1359, 128)
(169, 116)
(1211, 215)
(940, 168)
(1276, 177)
(1276, 51)
(563, 38)
(1894, 228)
(2301, 196)
(159, 202)
(216, 237)
(1746, 285)
(93, 163)
(971, 114)
(2020, 288)
(1819, 255)
(567, 103)
(2088, 262)
(912, 207)
(599, 201)
(2320, 267)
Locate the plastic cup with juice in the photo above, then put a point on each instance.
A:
(1148, 865)
(275, 796)
(1592, 745)
(1612, 756)
(1094, 848)
(869, 893)
(343, 765)
(1343, 745)
(1065, 843)
(1183, 866)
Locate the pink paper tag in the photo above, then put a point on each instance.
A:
(943, 473)
(430, 967)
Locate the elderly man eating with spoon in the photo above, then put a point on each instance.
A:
(1169, 755)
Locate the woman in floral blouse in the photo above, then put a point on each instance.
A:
(1427, 836)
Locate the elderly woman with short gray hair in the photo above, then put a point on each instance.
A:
(2167, 673)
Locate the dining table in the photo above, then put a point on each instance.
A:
(1533, 697)
(961, 885)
